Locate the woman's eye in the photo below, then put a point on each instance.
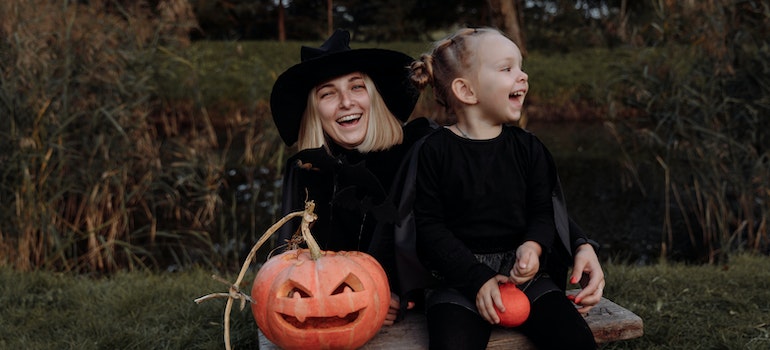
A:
(359, 87)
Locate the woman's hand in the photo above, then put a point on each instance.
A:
(527, 262)
(588, 272)
(489, 296)
(394, 308)
(395, 305)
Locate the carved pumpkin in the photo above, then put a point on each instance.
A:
(516, 306)
(338, 300)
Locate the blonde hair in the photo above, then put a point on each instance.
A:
(384, 129)
(448, 59)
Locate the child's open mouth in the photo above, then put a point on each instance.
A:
(517, 95)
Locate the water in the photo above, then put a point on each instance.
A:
(604, 198)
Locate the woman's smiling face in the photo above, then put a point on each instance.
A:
(343, 104)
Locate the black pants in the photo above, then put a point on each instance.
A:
(553, 323)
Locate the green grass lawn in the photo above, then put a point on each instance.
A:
(683, 307)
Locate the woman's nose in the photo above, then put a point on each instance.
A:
(345, 100)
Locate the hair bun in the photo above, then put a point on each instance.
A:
(422, 71)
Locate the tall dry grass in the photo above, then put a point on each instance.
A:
(705, 90)
(99, 173)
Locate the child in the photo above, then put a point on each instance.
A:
(483, 205)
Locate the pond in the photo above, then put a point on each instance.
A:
(602, 195)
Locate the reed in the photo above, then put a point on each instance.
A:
(705, 121)
(80, 157)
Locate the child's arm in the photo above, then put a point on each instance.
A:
(527, 262)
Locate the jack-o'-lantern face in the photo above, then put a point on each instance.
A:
(337, 301)
(307, 302)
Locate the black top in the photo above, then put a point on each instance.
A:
(350, 190)
(481, 196)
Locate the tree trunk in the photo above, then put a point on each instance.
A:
(281, 24)
(329, 18)
(505, 16)
(623, 27)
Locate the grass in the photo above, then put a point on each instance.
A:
(243, 72)
(683, 307)
(44, 310)
(696, 307)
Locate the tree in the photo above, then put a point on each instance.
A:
(505, 16)
(281, 22)
(329, 17)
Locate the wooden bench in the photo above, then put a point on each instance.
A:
(608, 321)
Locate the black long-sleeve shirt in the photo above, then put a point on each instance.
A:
(481, 196)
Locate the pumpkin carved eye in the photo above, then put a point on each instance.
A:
(296, 290)
(351, 283)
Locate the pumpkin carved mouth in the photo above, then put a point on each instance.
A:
(321, 322)
(302, 301)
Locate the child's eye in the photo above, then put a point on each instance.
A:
(506, 69)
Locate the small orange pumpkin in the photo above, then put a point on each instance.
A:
(313, 299)
(516, 306)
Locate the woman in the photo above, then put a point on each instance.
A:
(354, 159)
(346, 111)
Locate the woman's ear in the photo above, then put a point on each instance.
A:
(463, 91)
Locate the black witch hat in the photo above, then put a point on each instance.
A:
(387, 68)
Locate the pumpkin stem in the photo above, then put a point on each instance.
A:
(308, 217)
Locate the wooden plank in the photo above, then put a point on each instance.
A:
(608, 321)
(611, 322)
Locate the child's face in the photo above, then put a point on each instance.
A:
(499, 82)
(343, 105)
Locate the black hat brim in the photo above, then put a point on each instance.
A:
(388, 69)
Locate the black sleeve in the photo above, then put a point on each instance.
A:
(293, 199)
(578, 237)
(307, 175)
(570, 234)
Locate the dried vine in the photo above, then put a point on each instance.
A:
(308, 216)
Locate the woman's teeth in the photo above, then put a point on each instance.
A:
(348, 118)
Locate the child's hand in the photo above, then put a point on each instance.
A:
(527, 262)
(489, 296)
